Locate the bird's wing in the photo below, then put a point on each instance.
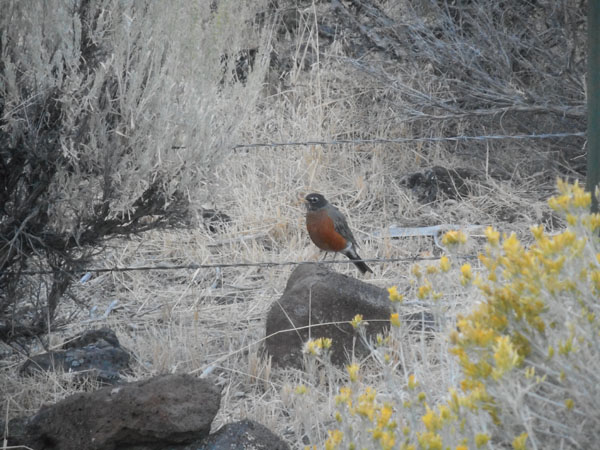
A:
(341, 226)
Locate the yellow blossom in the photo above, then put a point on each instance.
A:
(445, 263)
(301, 389)
(559, 203)
(312, 348)
(416, 270)
(581, 198)
(454, 237)
(569, 403)
(538, 232)
(562, 186)
(431, 269)
(395, 319)
(366, 403)
(345, 396)
(481, 439)
(356, 321)
(591, 221)
(511, 246)
(412, 382)
(315, 347)
(430, 440)
(334, 440)
(387, 440)
(431, 420)
(466, 274)
(353, 371)
(595, 279)
(564, 348)
(324, 343)
(394, 295)
(520, 442)
(385, 414)
(424, 290)
(445, 414)
(530, 372)
(492, 236)
(454, 401)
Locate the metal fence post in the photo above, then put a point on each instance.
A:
(593, 100)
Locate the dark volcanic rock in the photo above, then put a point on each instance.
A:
(434, 182)
(96, 353)
(319, 297)
(242, 435)
(150, 414)
(214, 220)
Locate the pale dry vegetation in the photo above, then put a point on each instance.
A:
(211, 321)
(112, 115)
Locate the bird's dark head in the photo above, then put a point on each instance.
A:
(315, 201)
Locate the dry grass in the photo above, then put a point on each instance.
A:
(187, 321)
(190, 320)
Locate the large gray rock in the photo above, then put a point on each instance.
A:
(150, 414)
(95, 353)
(327, 301)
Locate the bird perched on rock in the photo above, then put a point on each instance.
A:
(328, 229)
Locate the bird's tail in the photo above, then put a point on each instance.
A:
(362, 266)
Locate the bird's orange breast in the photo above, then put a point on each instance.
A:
(322, 232)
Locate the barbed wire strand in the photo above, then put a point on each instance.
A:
(417, 139)
(306, 143)
(195, 266)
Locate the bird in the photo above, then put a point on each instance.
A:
(329, 230)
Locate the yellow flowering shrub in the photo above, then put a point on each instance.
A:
(527, 353)
(529, 343)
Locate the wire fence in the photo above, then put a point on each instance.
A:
(489, 137)
(215, 266)
(194, 266)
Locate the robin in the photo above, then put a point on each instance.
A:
(328, 229)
